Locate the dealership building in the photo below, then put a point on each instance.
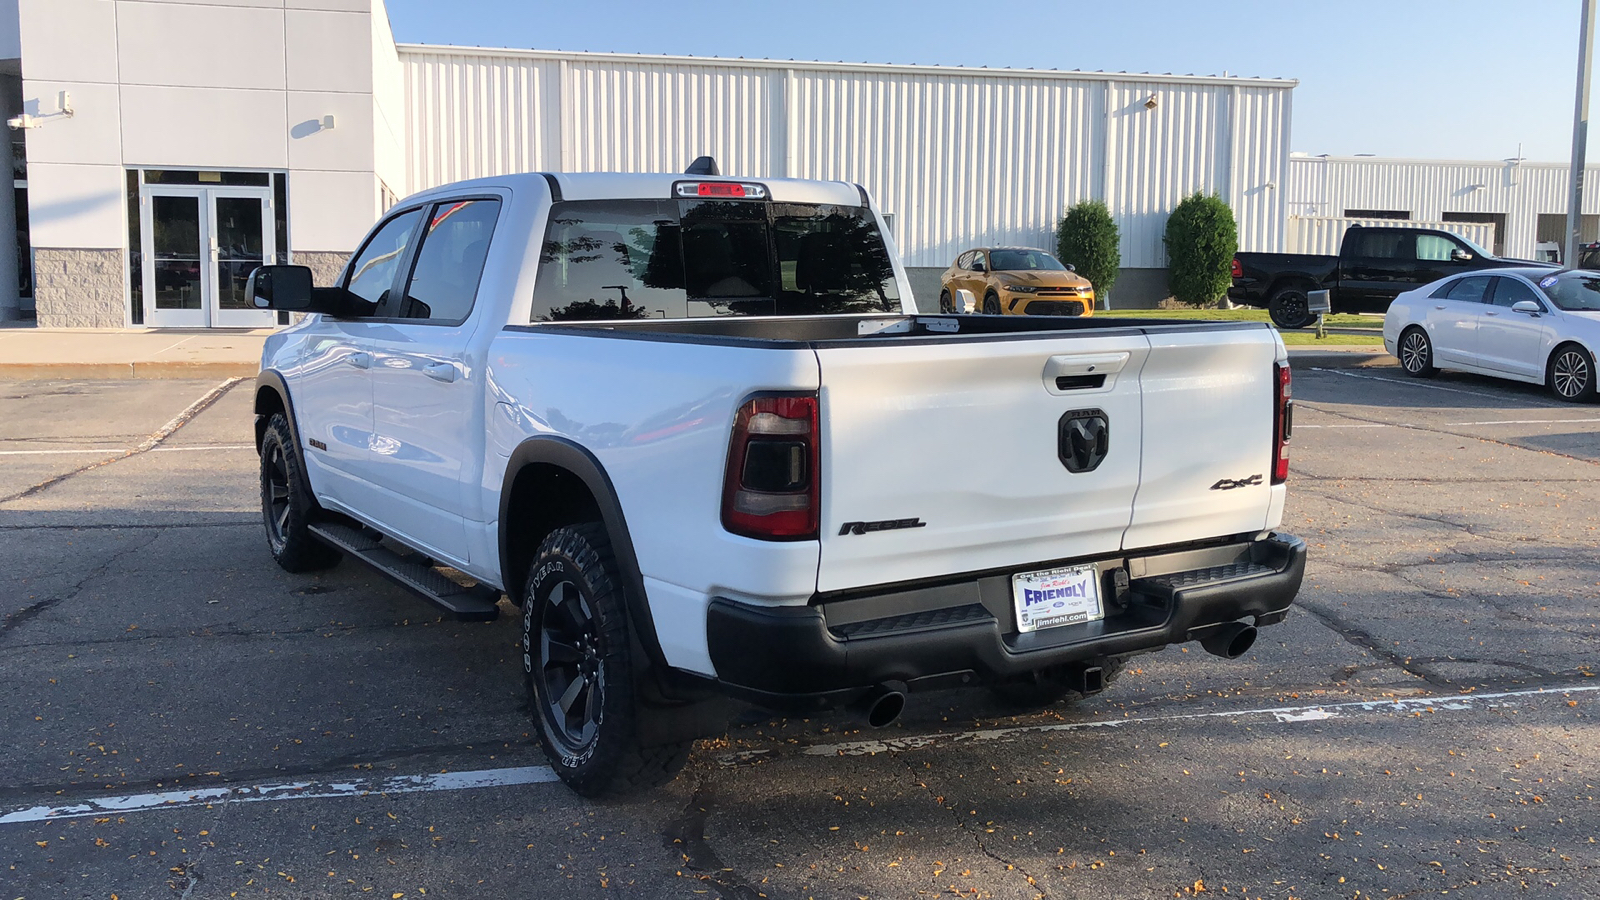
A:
(164, 148)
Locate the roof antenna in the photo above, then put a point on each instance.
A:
(703, 165)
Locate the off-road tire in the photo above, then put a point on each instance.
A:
(287, 506)
(1290, 307)
(991, 304)
(1046, 690)
(1570, 374)
(574, 600)
(1415, 352)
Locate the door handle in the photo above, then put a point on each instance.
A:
(360, 359)
(444, 372)
(1488, 313)
(1439, 307)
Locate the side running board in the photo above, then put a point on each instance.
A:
(468, 604)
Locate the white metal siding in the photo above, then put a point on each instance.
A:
(1427, 189)
(960, 156)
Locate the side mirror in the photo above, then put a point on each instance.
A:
(1531, 307)
(1071, 267)
(1460, 255)
(280, 287)
(978, 266)
(289, 288)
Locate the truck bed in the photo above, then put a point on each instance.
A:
(797, 332)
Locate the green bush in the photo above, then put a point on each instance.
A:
(1087, 239)
(1201, 241)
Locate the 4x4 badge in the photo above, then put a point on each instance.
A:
(1228, 484)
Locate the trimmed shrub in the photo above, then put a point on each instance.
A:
(1087, 240)
(1201, 241)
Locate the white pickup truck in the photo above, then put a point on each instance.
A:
(695, 428)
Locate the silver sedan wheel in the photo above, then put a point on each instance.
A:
(1570, 374)
(1415, 354)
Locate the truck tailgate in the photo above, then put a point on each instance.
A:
(946, 457)
(1208, 400)
(964, 438)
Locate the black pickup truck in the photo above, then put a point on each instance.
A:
(1374, 266)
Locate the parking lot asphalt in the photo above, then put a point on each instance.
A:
(184, 719)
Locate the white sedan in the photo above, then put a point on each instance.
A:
(1527, 324)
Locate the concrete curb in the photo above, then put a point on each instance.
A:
(1318, 358)
(113, 371)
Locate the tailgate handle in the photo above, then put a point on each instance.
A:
(1082, 372)
(1079, 382)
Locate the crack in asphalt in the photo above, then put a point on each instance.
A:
(1357, 637)
(23, 616)
(961, 826)
(686, 836)
(153, 440)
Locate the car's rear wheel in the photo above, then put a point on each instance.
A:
(1290, 307)
(1571, 375)
(1416, 353)
(577, 659)
(991, 304)
(946, 305)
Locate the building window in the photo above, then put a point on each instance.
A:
(1401, 214)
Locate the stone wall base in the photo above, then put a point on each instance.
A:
(75, 288)
(325, 265)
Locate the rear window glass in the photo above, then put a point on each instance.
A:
(674, 259)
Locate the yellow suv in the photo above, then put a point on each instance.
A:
(1015, 281)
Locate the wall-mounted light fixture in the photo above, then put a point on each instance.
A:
(1152, 103)
(63, 108)
(327, 123)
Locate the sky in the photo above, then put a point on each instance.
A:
(1436, 79)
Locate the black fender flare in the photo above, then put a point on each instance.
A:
(271, 379)
(574, 458)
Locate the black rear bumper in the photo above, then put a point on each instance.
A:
(963, 632)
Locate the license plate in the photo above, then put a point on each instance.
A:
(1056, 597)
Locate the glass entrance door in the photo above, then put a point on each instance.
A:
(201, 244)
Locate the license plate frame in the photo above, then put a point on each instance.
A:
(1053, 598)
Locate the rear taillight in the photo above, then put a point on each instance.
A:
(1282, 422)
(1238, 270)
(771, 491)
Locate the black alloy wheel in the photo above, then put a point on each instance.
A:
(1290, 307)
(579, 669)
(1416, 353)
(1572, 376)
(991, 304)
(287, 506)
(946, 305)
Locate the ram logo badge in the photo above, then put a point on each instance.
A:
(883, 525)
(1228, 484)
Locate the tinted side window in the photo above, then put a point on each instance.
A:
(1434, 247)
(444, 280)
(1380, 243)
(1470, 290)
(1508, 291)
(371, 273)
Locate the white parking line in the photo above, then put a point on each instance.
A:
(1431, 387)
(127, 450)
(284, 791)
(1279, 714)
